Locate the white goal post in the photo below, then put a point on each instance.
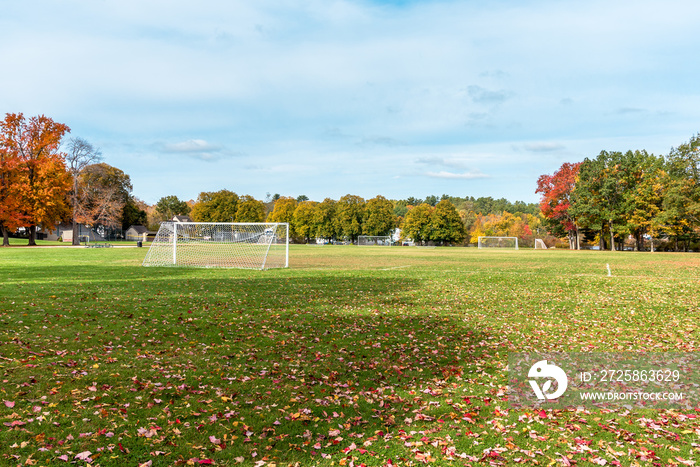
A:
(379, 240)
(539, 244)
(255, 245)
(498, 242)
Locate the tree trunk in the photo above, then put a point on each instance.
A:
(76, 235)
(578, 237)
(5, 237)
(651, 241)
(602, 240)
(612, 237)
(32, 236)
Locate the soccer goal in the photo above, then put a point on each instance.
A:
(220, 245)
(498, 242)
(378, 240)
(539, 244)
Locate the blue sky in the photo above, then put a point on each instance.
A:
(329, 97)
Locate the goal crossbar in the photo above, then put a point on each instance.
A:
(498, 242)
(247, 245)
(378, 240)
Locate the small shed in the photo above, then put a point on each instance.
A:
(138, 233)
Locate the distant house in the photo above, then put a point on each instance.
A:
(64, 231)
(182, 219)
(138, 232)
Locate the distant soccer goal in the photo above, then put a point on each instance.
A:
(539, 244)
(498, 242)
(220, 245)
(376, 240)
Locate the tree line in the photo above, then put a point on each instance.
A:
(45, 180)
(438, 220)
(634, 195)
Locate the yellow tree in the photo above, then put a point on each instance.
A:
(215, 206)
(250, 210)
(350, 210)
(379, 217)
(284, 212)
(304, 220)
(416, 225)
(445, 225)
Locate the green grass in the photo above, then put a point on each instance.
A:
(350, 356)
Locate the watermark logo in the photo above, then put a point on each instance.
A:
(604, 380)
(542, 369)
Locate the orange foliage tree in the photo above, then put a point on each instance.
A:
(11, 215)
(555, 204)
(37, 175)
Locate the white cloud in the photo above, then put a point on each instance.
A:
(196, 148)
(458, 176)
(192, 145)
(543, 147)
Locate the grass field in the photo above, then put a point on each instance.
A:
(353, 355)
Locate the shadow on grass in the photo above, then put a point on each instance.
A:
(280, 368)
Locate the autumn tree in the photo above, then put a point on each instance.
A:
(379, 217)
(324, 219)
(350, 211)
(644, 199)
(416, 224)
(250, 210)
(105, 191)
(681, 202)
(555, 203)
(445, 224)
(79, 155)
(597, 199)
(215, 206)
(11, 215)
(304, 220)
(283, 211)
(42, 182)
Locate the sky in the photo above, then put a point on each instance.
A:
(331, 97)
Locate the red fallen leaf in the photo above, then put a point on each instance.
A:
(14, 423)
(542, 414)
(9, 404)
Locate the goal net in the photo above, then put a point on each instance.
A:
(221, 245)
(379, 240)
(539, 244)
(498, 242)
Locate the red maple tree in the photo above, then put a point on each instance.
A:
(556, 199)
